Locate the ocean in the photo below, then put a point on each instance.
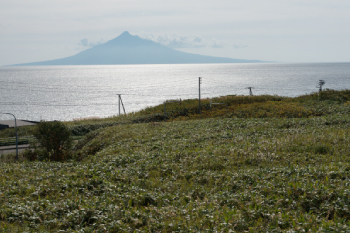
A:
(67, 92)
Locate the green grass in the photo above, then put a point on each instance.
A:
(261, 171)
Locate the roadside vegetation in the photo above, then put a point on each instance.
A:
(252, 164)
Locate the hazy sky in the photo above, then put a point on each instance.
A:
(273, 30)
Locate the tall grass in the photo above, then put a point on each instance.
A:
(261, 171)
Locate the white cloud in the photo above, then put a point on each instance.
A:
(216, 44)
(177, 41)
(85, 43)
(239, 46)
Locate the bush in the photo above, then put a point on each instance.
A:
(81, 130)
(54, 138)
(333, 95)
(273, 109)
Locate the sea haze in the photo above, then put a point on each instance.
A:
(67, 92)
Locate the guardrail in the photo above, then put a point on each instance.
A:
(12, 140)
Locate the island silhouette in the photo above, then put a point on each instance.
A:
(130, 49)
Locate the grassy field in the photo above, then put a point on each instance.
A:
(261, 164)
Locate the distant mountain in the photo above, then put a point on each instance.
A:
(129, 49)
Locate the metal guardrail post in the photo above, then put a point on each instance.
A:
(219, 104)
(16, 133)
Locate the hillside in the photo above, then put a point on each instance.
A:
(261, 164)
(128, 49)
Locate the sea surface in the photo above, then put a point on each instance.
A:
(68, 92)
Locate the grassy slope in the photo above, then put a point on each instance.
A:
(215, 174)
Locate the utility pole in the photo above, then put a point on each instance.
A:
(199, 99)
(120, 101)
(250, 90)
(320, 84)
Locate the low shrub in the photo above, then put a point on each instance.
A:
(333, 95)
(273, 109)
(83, 129)
(54, 141)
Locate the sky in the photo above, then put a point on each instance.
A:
(269, 30)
